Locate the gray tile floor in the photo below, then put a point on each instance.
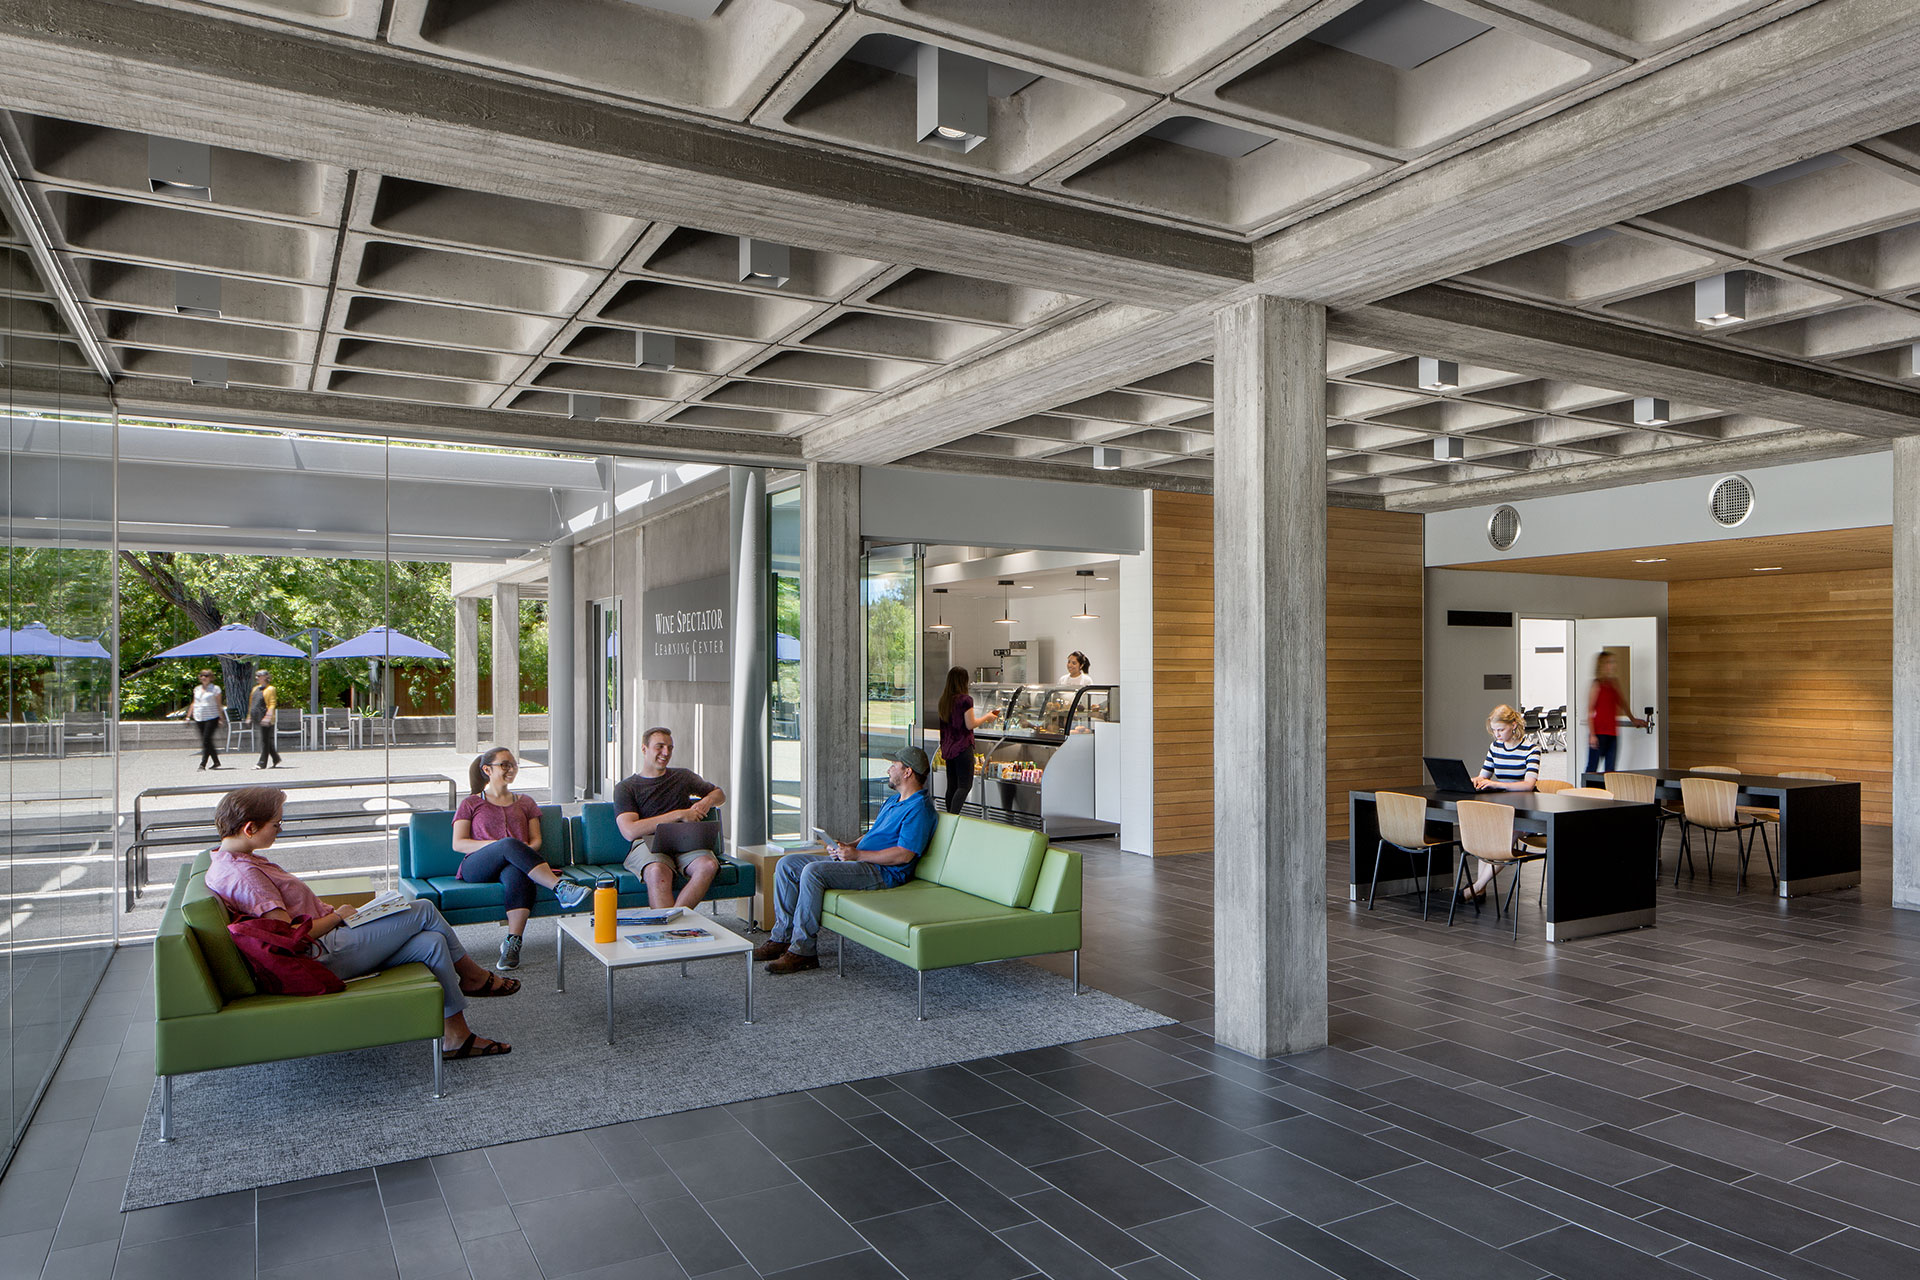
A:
(1730, 1095)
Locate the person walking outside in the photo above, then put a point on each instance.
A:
(260, 708)
(209, 709)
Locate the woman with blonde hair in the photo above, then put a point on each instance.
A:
(1512, 764)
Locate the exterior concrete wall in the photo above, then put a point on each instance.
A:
(685, 544)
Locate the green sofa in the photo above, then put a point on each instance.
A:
(209, 1014)
(587, 848)
(982, 891)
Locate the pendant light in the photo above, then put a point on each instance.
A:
(941, 625)
(1083, 615)
(1008, 619)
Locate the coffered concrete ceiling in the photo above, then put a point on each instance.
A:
(460, 217)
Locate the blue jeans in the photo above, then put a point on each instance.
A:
(1603, 754)
(419, 933)
(800, 885)
(507, 861)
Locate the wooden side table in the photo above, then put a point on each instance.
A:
(765, 860)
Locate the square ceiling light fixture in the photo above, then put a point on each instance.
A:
(583, 408)
(951, 96)
(655, 350)
(1449, 449)
(1105, 459)
(1651, 411)
(176, 168)
(1913, 362)
(209, 371)
(1720, 299)
(765, 261)
(1438, 375)
(196, 295)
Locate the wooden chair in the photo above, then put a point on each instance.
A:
(1713, 768)
(1641, 789)
(1711, 805)
(1403, 824)
(1486, 832)
(1551, 786)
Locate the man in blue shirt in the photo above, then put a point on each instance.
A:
(881, 859)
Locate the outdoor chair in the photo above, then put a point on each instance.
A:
(239, 731)
(335, 722)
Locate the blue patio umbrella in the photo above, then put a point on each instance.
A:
(383, 643)
(785, 648)
(235, 640)
(35, 641)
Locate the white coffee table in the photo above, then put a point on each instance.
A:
(621, 954)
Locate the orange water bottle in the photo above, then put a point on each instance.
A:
(606, 907)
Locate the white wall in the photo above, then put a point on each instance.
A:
(902, 505)
(1457, 658)
(1641, 636)
(1834, 493)
(1543, 676)
(1136, 697)
(1046, 624)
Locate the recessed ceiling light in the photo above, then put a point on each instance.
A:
(1102, 578)
(1768, 568)
(1026, 586)
(1652, 560)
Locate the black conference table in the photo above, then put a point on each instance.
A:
(1601, 855)
(1816, 847)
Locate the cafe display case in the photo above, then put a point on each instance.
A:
(1041, 764)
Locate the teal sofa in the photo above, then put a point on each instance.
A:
(209, 1013)
(586, 848)
(982, 891)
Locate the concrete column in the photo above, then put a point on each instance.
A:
(749, 636)
(564, 778)
(1270, 676)
(1906, 672)
(466, 675)
(832, 688)
(506, 667)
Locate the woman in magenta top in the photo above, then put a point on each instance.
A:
(499, 832)
(958, 720)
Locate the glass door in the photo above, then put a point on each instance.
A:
(603, 624)
(890, 601)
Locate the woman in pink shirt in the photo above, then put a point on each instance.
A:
(248, 821)
(499, 832)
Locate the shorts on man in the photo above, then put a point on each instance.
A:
(651, 797)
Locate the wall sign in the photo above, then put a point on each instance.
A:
(686, 632)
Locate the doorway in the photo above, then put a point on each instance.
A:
(603, 733)
(1545, 682)
(1634, 644)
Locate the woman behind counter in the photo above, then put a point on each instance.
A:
(1512, 764)
(1078, 669)
(958, 720)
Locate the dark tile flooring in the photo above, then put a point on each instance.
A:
(1730, 1095)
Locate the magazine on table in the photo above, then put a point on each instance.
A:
(382, 905)
(650, 919)
(666, 937)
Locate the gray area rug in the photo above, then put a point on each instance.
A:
(679, 1044)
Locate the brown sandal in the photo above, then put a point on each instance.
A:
(471, 1047)
(495, 985)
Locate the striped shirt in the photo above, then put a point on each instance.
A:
(1511, 764)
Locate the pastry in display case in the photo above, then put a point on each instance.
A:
(1037, 766)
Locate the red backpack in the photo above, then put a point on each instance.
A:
(276, 953)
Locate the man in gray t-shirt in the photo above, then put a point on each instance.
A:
(660, 794)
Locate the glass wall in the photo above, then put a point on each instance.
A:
(786, 724)
(57, 873)
(890, 597)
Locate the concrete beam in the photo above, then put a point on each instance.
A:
(506, 666)
(466, 675)
(260, 406)
(1608, 473)
(1270, 675)
(1502, 333)
(363, 105)
(1079, 357)
(1824, 76)
(967, 465)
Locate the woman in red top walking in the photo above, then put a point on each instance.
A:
(499, 832)
(1606, 704)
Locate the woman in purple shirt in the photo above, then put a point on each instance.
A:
(499, 832)
(958, 720)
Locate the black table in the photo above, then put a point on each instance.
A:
(1601, 854)
(1816, 847)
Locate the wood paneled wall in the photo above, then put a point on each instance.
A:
(1375, 588)
(1182, 673)
(1785, 671)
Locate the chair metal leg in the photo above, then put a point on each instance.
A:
(840, 955)
(166, 1108)
(920, 997)
(1513, 905)
(1426, 885)
(1076, 971)
(1379, 852)
(439, 1067)
(1459, 883)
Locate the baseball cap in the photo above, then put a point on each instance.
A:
(914, 758)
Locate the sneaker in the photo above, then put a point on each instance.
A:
(572, 894)
(509, 953)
